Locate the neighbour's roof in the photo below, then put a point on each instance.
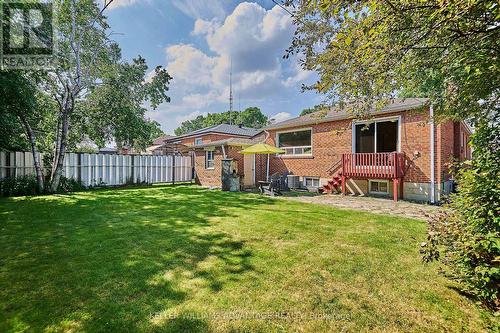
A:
(228, 142)
(222, 129)
(107, 149)
(335, 113)
(160, 140)
(153, 147)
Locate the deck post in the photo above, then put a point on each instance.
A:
(343, 184)
(401, 188)
(395, 183)
(343, 174)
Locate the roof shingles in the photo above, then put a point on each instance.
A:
(338, 114)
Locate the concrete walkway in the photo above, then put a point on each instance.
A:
(370, 204)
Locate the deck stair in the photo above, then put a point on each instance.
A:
(391, 166)
(334, 185)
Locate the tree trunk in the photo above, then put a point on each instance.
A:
(34, 152)
(60, 152)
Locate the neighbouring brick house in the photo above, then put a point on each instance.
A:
(208, 146)
(368, 157)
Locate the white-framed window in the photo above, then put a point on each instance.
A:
(311, 182)
(378, 186)
(209, 159)
(295, 143)
(378, 136)
(198, 141)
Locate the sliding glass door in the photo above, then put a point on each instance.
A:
(376, 137)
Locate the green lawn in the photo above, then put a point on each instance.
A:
(185, 259)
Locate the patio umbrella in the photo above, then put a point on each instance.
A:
(263, 148)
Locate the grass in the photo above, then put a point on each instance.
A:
(186, 259)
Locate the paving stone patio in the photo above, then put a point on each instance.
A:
(370, 204)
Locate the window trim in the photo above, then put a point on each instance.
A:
(312, 178)
(277, 140)
(376, 120)
(196, 139)
(206, 159)
(370, 181)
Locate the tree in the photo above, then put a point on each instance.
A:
(250, 117)
(19, 106)
(315, 108)
(88, 59)
(114, 109)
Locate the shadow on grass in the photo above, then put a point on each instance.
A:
(109, 260)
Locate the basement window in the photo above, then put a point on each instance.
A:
(378, 186)
(311, 182)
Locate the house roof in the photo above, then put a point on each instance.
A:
(335, 113)
(222, 129)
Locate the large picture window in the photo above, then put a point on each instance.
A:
(296, 142)
(376, 137)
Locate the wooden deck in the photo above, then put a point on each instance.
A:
(375, 166)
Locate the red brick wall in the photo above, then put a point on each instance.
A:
(212, 177)
(444, 150)
(330, 140)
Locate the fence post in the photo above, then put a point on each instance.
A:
(132, 169)
(79, 162)
(173, 169)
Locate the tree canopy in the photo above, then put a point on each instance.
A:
(315, 108)
(250, 117)
(370, 51)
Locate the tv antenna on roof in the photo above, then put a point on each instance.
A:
(231, 93)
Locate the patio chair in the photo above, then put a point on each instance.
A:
(271, 188)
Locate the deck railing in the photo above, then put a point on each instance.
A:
(373, 165)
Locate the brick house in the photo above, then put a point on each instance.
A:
(388, 155)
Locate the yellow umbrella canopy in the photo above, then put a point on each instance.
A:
(262, 148)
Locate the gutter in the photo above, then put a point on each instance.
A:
(433, 140)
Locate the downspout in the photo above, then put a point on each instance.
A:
(433, 139)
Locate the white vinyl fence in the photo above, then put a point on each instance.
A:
(105, 169)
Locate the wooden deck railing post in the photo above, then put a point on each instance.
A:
(344, 170)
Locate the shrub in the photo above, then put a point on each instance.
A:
(466, 239)
(27, 185)
(16, 186)
(69, 185)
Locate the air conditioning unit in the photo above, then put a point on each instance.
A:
(294, 182)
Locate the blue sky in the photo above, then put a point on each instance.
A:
(196, 40)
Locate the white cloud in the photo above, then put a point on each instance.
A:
(281, 116)
(203, 27)
(254, 40)
(191, 116)
(187, 63)
(251, 37)
(206, 9)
